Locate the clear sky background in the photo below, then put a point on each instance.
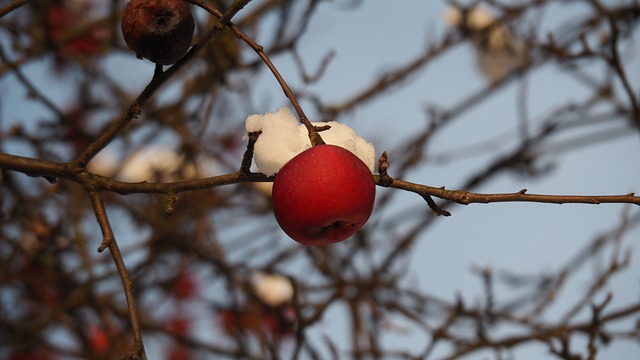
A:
(377, 36)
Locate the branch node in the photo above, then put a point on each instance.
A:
(315, 138)
(322, 128)
(135, 109)
(383, 165)
(106, 242)
(461, 197)
(136, 352)
(172, 200)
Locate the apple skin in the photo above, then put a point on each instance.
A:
(323, 195)
(158, 30)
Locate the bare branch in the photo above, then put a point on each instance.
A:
(109, 240)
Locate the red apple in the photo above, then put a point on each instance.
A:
(159, 30)
(323, 195)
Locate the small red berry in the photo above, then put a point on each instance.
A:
(184, 286)
(179, 325)
(99, 340)
(158, 30)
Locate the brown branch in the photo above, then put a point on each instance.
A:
(311, 78)
(51, 170)
(109, 240)
(466, 197)
(31, 89)
(108, 134)
(385, 180)
(619, 262)
(247, 158)
(543, 333)
(387, 81)
(34, 167)
(614, 61)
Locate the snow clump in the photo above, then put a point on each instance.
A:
(272, 289)
(499, 51)
(152, 163)
(283, 137)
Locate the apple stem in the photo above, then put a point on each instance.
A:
(315, 138)
(157, 71)
(314, 135)
(172, 199)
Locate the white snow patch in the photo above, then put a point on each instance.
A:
(283, 138)
(273, 289)
(499, 50)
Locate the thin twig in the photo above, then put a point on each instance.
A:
(314, 136)
(247, 158)
(33, 91)
(464, 197)
(616, 64)
(109, 240)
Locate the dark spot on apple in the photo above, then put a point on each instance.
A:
(333, 225)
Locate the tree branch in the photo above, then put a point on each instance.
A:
(109, 240)
(464, 197)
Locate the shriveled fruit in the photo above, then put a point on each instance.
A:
(158, 30)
